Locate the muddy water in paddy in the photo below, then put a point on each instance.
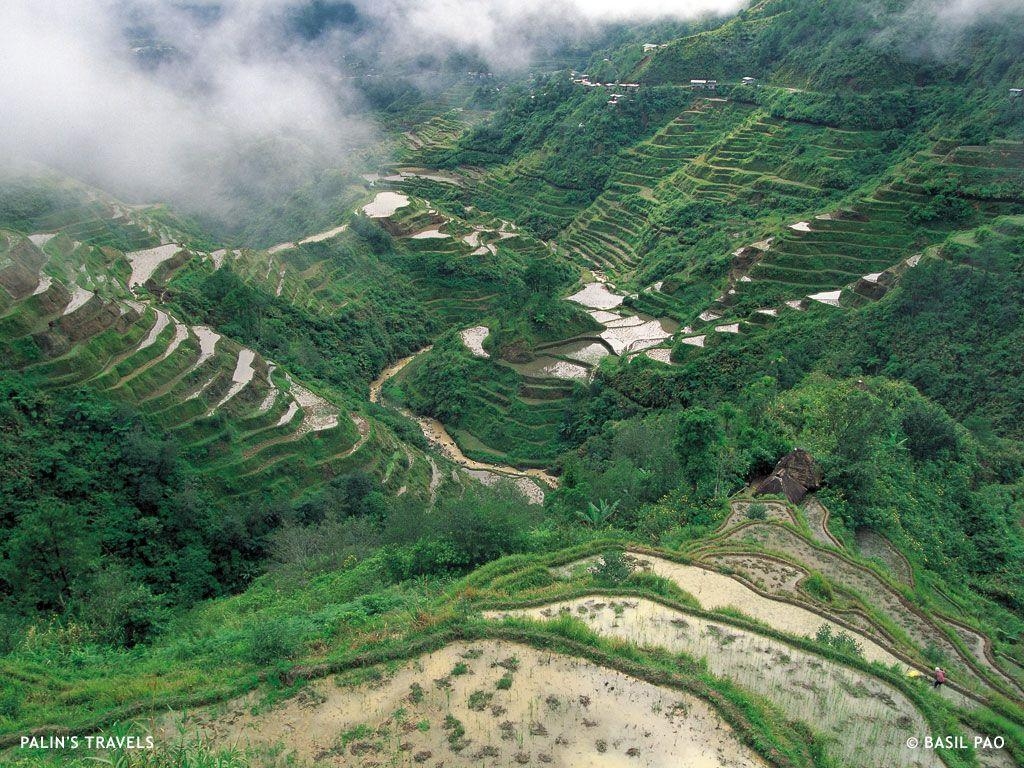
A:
(583, 351)
(597, 296)
(558, 710)
(78, 299)
(385, 204)
(430, 234)
(638, 332)
(660, 355)
(624, 332)
(546, 366)
(715, 591)
(870, 719)
(428, 174)
(144, 263)
(474, 339)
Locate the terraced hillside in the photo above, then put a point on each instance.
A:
(725, 158)
(898, 219)
(589, 418)
(465, 267)
(520, 192)
(184, 352)
(856, 253)
(612, 233)
(589, 654)
(79, 315)
(502, 416)
(846, 255)
(438, 131)
(749, 601)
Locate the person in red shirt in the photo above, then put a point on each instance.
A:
(940, 677)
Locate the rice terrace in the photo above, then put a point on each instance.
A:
(482, 384)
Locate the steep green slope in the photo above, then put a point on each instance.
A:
(838, 46)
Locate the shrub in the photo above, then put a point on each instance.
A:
(597, 515)
(11, 698)
(130, 613)
(933, 655)
(425, 557)
(757, 511)
(456, 730)
(841, 641)
(820, 587)
(272, 641)
(613, 568)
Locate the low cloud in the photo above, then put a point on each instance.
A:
(197, 122)
(932, 29)
(959, 14)
(202, 102)
(507, 33)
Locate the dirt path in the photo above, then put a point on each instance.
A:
(446, 708)
(363, 427)
(438, 436)
(869, 719)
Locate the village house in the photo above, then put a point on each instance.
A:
(706, 85)
(749, 81)
(1016, 93)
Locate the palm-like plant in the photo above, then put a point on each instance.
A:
(597, 515)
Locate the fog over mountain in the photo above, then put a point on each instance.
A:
(80, 99)
(507, 31)
(961, 13)
(930, 28)
(193, 102)
(159, 99)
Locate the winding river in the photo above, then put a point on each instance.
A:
(438, 436)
